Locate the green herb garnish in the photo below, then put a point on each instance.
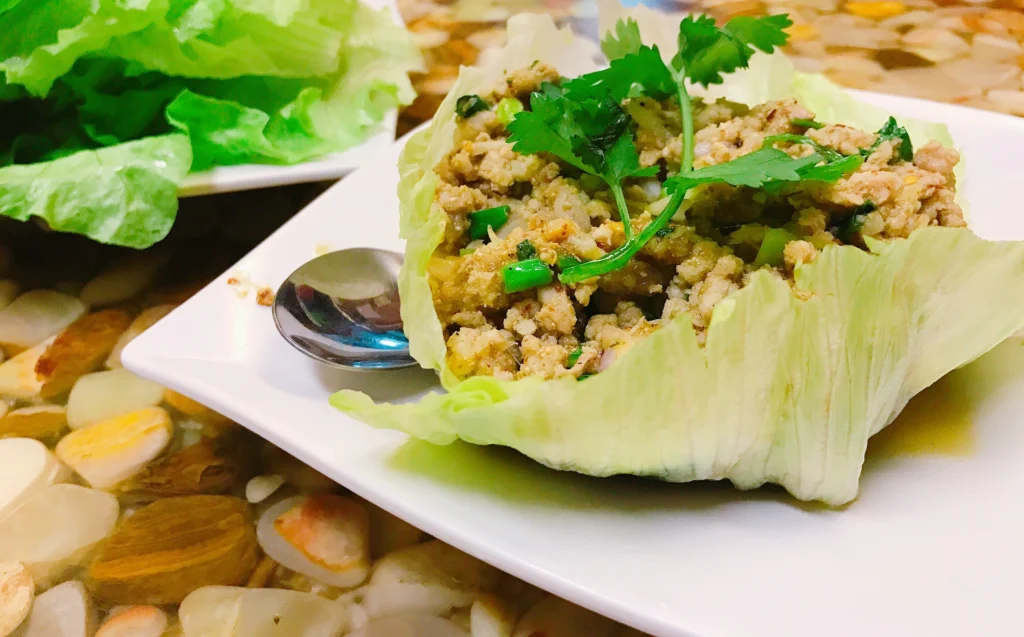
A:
(574, 356)
(465, 252)
(525, 250)
(589, 132)
(481, 220)
(582, 121)
(892, 131)
(664, 232)
(806, 123)
(469, 105)
(852, 224)
(524, 275)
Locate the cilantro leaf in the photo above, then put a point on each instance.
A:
(892, 131)
(706, 52)
(765, 34)
(592, 134)
(832, 171)
(623, 40)
(753, 170)
(830, 154)
(642, 72)
(546, 128)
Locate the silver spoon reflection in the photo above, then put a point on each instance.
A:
(342, 309)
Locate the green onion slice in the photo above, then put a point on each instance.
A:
(470, 105)
(524, 275)
(480, 220)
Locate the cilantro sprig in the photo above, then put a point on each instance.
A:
(589, 132)
(583, 123)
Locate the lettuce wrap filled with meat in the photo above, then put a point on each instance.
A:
(615, 276)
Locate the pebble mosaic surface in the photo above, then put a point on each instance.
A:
(127, 509)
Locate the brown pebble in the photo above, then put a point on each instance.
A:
(174, 546)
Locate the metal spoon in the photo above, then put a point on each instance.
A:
(342, 309)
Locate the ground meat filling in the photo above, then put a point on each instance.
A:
(557, 330)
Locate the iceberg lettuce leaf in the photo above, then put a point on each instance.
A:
(785, 390)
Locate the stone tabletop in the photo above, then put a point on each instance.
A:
(127, 506)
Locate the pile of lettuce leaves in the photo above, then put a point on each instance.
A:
(785, 391)
(105, 105)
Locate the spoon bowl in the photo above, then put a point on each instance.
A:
(343, 309)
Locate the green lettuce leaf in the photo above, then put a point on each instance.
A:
(784, 391)
(246, 81)
(125, 195)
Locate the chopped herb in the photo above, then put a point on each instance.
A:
(481, 220)
(582, 122)
(507, 110)
(892, 131)
(589, 132)
(466, 251)
(525, 250)
(865, 208)
(850, 226)
(524, 275)
(664, 232)
(574, 356)
(469, 105)
(806, 123)
(584, 376)
(772, 247)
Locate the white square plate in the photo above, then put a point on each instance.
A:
(933, 546)
(331, 167)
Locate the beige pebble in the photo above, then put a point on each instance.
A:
(42, 422)
(146, 319)
(35, 316)
(936, 45)
(16, 593)
(994, 48)
(432, 577)
(221, 611)
(1007, 101)
(114, 450)
(909, 19)
(135, 621)
(123, 280)
(492, 617)
(63, 611)
(18, 377)
(56, 528)
(322, 536)
(103, 395)
(26, 467)
(260, 488)
(983, 75)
